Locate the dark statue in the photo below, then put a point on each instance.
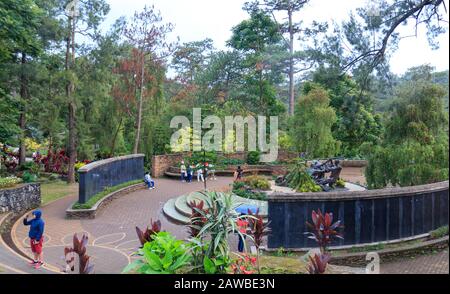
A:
(319, 170)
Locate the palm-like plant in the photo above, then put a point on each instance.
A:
(318, 263)
(79, 248)
(323, 230)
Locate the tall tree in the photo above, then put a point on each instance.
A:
(83, 18)
(297, 61)
(148, 34)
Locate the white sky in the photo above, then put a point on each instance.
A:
(199, 19)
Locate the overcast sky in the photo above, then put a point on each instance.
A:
(199, 19)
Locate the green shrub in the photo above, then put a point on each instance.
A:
(257, 182)
(163, 255)
(91, 202)
(241, 189)
(9, 182)
(199, 157)
(439, 232)
(253, 157)
(28, 177)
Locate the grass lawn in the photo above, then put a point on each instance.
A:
(56, 190)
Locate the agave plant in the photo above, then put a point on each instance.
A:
(218, 222)
(323, 230)
(79, 247)
(318, 263)
(146, 236)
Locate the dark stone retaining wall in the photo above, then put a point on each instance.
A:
(91, 213)
(21, 198)
(368, 216)
(95, 177)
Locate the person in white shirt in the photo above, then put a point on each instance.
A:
(148, 180)
(200, 173)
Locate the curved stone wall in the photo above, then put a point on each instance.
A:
(97, 176)
(21, 198)
(368, 217)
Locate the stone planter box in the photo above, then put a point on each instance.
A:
(20, 198)
(102, 203)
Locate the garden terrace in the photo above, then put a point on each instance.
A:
(368, 216)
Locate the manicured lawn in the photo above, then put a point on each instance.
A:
(56, 190)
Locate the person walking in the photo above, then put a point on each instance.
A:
(183, 171)
(189, 172)
(149, 181)
(36, 235)
(238, 174)
(242, 225)
(200, 173)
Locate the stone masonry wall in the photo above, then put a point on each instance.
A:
(22, 198)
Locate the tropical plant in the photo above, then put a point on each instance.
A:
(340, 183)
(258, 229)
(79, 248)
(299, 179)
(218, 222)
(318, 263)
(163, 255)
(149, 233)
(323, 230)
(196, 220)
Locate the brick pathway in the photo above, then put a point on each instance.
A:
(112, 235)
(436, 263)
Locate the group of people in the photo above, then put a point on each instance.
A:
(202, 172)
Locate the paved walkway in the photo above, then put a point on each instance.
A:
(436, 263)
(112, 235)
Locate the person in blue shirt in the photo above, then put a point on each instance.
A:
(36, 235)
(149, 181)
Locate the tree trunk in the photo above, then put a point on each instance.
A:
(291, 66)
(22, 117)
(70, 61)
(113, 145)
(139, 117)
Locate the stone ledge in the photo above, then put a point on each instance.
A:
(102, 203)
(369, 194)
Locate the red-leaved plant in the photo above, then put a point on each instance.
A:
(244, 265)
(197, 219)
(79, 247)
(318, 263)
(258, 229)
(146, 236)
(323, 230)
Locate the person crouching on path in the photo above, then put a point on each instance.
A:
(36, 235)
(149, 181)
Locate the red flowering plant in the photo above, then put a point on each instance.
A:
(244, 265)
(258, 229)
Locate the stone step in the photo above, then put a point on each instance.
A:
(171, 212)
